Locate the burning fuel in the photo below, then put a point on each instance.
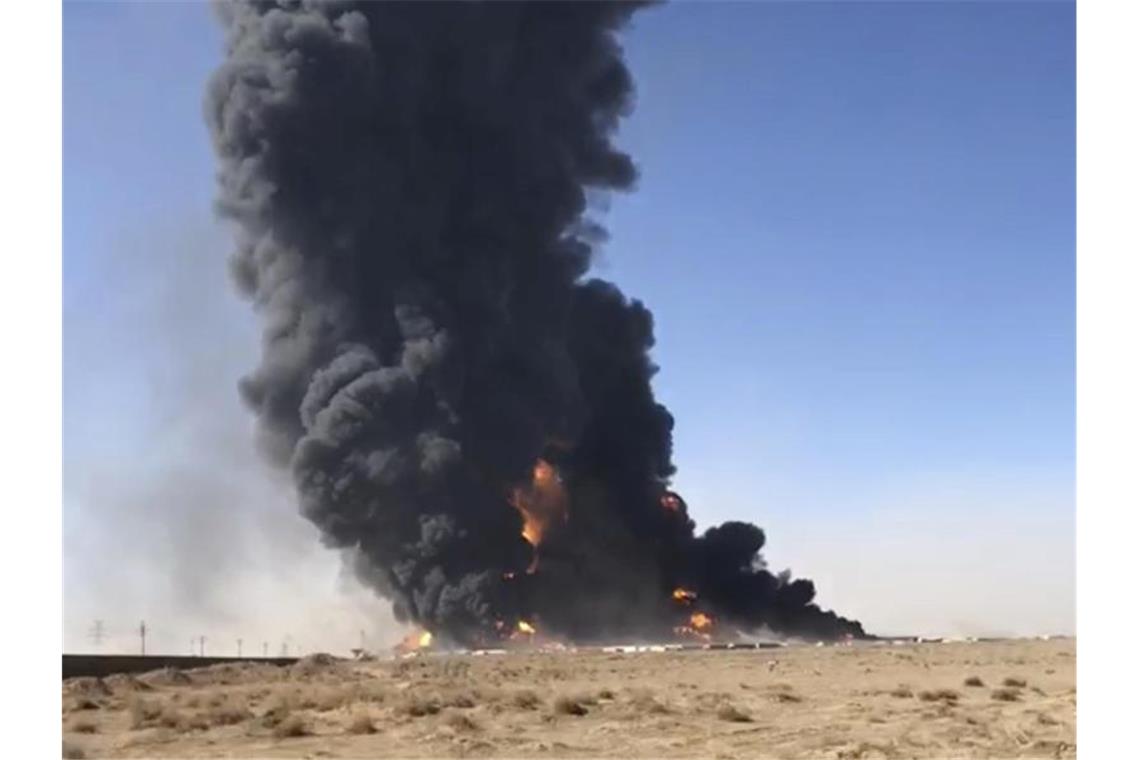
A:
(466, 414)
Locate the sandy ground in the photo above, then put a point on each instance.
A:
(982, 699)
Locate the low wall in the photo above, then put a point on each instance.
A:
(75, 665)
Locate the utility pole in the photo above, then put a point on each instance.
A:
(265, 649)
(142, 636)
(97, 633)
(239, 647)
(201, 646)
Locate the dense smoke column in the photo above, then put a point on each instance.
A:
(409, 183)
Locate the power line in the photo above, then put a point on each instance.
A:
(97, 633)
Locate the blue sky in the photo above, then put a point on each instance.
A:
(854, 225)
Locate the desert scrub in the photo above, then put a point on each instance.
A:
(974, 681)
(361, 723)
(526, 700)
(460, 722)
(290, 728)
(939, 695)
(1014, 683)
(83, 727)
(569, 706)
(733, 714)
(1006, 695)
(902, 692)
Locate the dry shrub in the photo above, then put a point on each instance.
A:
(86, 686)
(526, 700)
(83, 727)
(733, 714)
(786, 696)
(324, 700)
(277, 713)
(460, 722)
(1045, 719)
(73, 751)
(974, 681)
(939, 695)
(902, 692)
(291, 727)
(361, 723)
(81, 703)
(462, 700)
(1006, 695)
(417, 706)
(1014, 683)
(144, 712)
(569, 706)
(606, 694)
(229, 714)
(643, 701)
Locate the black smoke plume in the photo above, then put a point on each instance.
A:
(412, 186)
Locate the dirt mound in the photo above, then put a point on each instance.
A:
(121, 683)
(320, 666)
(165, 677)
(227, 673)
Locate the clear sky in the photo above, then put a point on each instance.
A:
(855, 227)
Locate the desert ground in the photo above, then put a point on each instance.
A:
(1014, 698)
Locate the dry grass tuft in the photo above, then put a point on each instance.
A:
(974, 681)
(1014, 683)
(277, 713)
(81, 703)
(84, 727)
(291, 727)
(733, 714)
(144, 712)
(902, 692)
(526, 700)
(1006, 695)
(606, 694)
(361, 723)
(786, 696)
(73, 752)
(569, 706)
(939, 695)
(417, 706)
(460, 722)
(229, 714)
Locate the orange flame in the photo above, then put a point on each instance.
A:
(414, 641)
(684, 595)
(700, 621)
(670, 502)
(527, 628)
(540, 503)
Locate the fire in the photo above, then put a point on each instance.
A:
(670, 501)
(540, 503)
(527, 628)
(415, 641)
(700, 621)
(684, 595)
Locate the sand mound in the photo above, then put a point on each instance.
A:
(319, 665)
(165, 677)
(227, 673)
(126, 684)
